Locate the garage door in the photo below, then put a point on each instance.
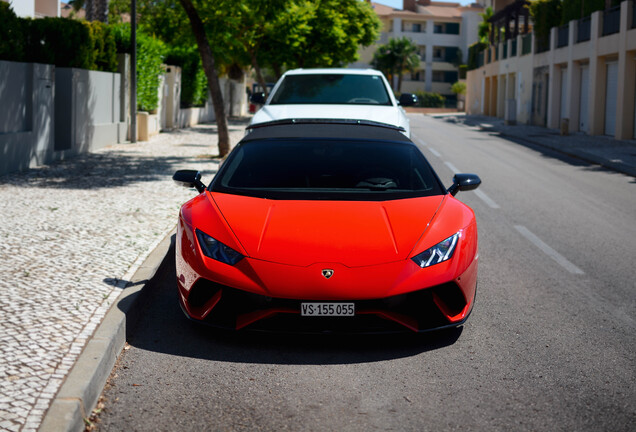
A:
(610, 98)
(583, 106)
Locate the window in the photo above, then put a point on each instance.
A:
(328, 170)
(413, 27)
(449, 77)
(446, 28)
(332, 89)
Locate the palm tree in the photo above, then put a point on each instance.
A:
(396, 57)
(96, 10)
(483, 30)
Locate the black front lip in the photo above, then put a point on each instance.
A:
(416, 307)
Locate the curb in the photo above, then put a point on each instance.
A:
(82, 387)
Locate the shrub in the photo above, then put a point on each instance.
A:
(59, 41)
(430, 100)
(150, 53)
(121, 35)
(473, 54)
(11, 34)
(104, 47)
(459, 88)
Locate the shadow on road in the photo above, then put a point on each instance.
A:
(162, 327)
(549, 143)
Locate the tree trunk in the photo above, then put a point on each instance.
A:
(96, 10)
(259, 74)
(210, 72)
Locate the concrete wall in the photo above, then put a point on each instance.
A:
(50, 113)
(87, 106)
(27, 115)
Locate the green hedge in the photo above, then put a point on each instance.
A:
(11, 34)
(194, 85)
(58, 41)
(430, 100)
(150, 52)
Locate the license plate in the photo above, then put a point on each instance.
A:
(327, 309)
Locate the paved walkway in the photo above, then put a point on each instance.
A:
(72, 233)
(69, 234)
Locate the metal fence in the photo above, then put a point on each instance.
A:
(584, 29)
(513, 48)
(505, 50)
(526, 44)
(563, 35)
(612, 21)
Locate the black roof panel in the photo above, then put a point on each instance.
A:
(323, 128)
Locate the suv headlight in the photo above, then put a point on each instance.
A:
(441, 252)
(212, 248)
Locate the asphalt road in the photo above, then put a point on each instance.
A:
(550, 345)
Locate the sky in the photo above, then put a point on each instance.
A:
(398, 3)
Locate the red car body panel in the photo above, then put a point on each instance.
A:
(287, 244)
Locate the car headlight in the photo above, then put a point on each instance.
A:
(441, 252)
(216, 250)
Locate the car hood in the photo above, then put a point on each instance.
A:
(383, 114)
(302, 233)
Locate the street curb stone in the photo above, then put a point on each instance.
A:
(84, 384)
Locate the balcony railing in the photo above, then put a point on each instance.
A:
(543, 44)
(496, 52)
(513, 48)
(526, 44)
(480, 59)
(634, 14)
(563, 33)
(489, 55)
(505, 51)
(584, 28)
(612, 21)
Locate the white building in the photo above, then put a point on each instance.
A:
(583, 80)
(439, 29)
(35, 8)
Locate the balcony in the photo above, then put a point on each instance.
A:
(611, 21)
(584, 29)
(563, 34)
(526, 44)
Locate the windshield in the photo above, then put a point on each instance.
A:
(319, 169)
(332, 89)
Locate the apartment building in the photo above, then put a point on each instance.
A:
(582, 80)
(441, 30)
(35, 8)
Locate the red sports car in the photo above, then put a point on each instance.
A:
(326, 226)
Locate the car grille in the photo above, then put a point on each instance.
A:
(416, 311)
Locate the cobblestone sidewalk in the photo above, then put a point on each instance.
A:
(68, 234)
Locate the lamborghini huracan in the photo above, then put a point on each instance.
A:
(317, 225)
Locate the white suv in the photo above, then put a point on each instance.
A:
(356, 94)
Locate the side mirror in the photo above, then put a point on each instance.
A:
(258, 98)
(189, 179)
(408, 99)
(464, 182)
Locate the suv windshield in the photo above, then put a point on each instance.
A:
(319, 169)
(332, 89)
